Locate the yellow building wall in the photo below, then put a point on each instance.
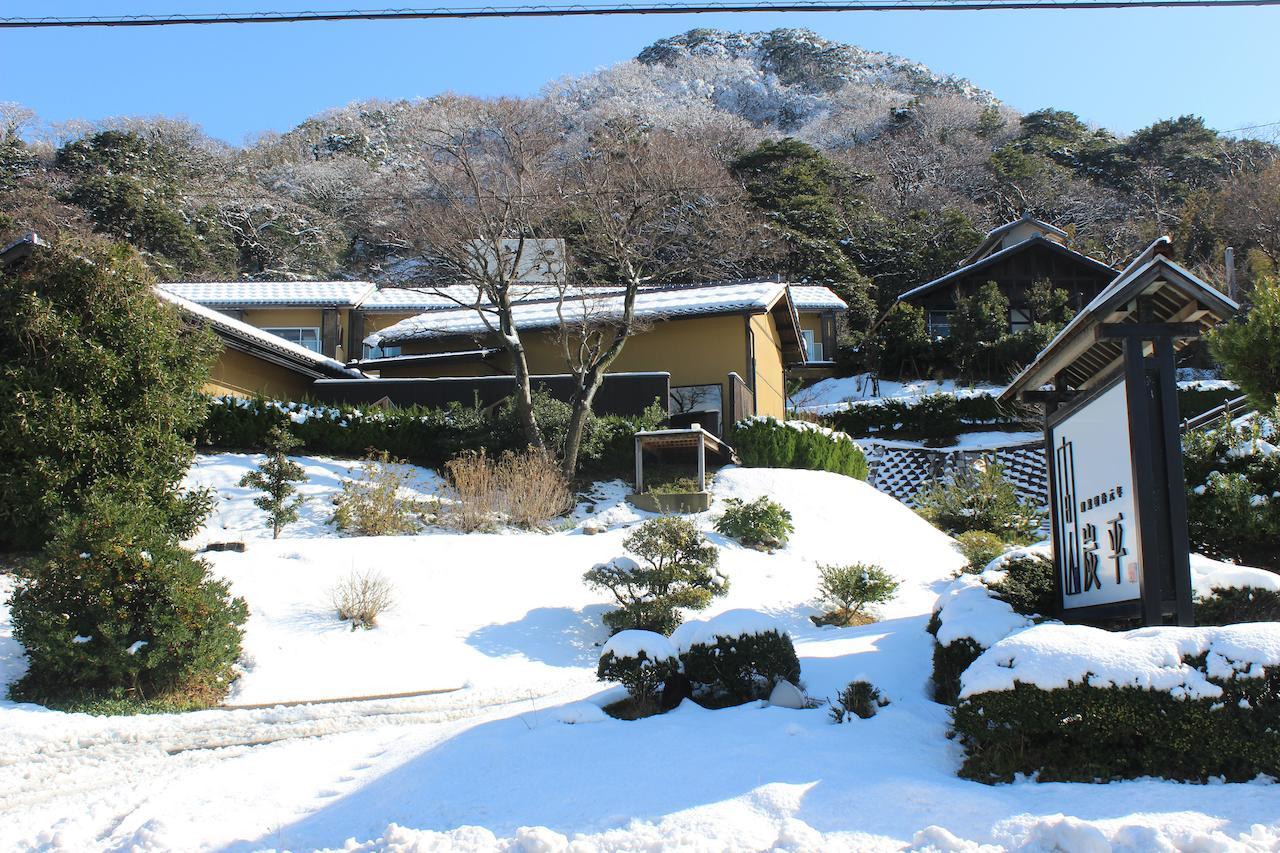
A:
(770, 384)
(283, 318)
(695, 351)
(242, 375)
(811, 321)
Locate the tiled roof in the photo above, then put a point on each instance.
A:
(225, 325)
(451, 296)
(655, 303)
(813, 297)
(248, 294)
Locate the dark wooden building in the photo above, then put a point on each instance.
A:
(1014, 256)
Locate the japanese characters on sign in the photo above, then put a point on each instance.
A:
(1095, 524)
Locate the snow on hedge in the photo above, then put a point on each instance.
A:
(636, 644)
(1208, 575)
(967, 610)
(740, 622)
(1053, 655)
(798, 426)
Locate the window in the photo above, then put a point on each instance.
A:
(812, 346)
(695, 398)
(1019, 319)
(938, 324)
(303, 336)
(389, 351)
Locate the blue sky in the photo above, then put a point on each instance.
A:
(1121, 69)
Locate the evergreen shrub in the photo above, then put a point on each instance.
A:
(1235, 605)
(766, 442)
(980, 498)
(949, 662)
(979, 547)
(1082, 733)
(860, 699)
(935, 418)
(423, 436)
(117, 609)
(679, 571)
(99, 380)
(645, 672)
(1028, 585)
(741, 667)
(1233, 494)
(847, 590)
(761, 524)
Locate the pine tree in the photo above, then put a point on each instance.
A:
(1249, 347)
(275, 477)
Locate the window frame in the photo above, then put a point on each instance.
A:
(319, 337)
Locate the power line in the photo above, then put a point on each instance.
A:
(582, 10)
(1251, 127)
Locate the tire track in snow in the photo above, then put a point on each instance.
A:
(122, 764)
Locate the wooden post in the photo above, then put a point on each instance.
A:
(702, 463)
(1144, 463)
(639, 466)
(1174, 482)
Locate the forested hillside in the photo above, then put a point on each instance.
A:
(860, 169)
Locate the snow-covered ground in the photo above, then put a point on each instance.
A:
(521, 757)
(832, 395)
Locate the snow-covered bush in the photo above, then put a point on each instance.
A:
(361, 597)
(936, 418)
(847, 590)
(860, 699)
(1027, 581)
(739, 656)
(641, 661)
(979, 498)
(116, 609)
(1072, 703)
(372, 504)
(766, 442)
(967, 620)
(1233, 494)
(679, 571)
(525, 489)
(761, 524)
(979, 548)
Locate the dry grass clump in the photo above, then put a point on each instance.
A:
(524, 489)
(360, 598)
(371, 504)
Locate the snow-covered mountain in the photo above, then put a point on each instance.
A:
(790, 80)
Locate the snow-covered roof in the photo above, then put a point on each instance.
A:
(248, 294)
(602, 305)
(1083, 359)
(434, 298)
(815, 297)
(229, 327)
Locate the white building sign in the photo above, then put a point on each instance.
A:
(1095, 522)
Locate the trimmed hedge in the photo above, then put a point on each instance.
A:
(949, 662)
(766, 442)
(423, 436)
(1082, 733)
(742, 668)
(934, 418)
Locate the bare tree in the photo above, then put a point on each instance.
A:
(643, 208)
(485, 192)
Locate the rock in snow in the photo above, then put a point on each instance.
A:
(787, 695)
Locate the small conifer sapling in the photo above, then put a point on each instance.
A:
(275, 478)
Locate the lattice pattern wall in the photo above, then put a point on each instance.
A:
(902, 472)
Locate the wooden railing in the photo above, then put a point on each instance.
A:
(742, 402)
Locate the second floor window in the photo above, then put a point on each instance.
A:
(303, 336)
(812, 346)
(1019, 319)
(938, 324)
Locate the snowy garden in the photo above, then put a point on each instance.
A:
(503, 741)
